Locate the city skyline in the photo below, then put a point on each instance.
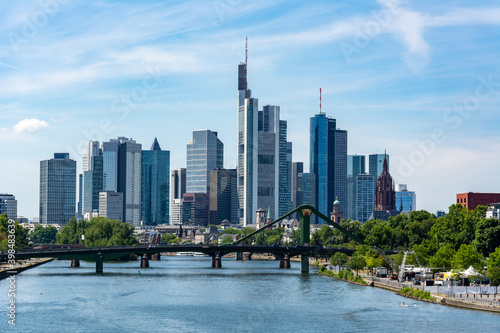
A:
(422, 85)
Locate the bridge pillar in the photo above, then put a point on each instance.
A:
(216, 260)
(286, 261)
(247, 255)
(75, 263)
(156, 256)
(282, 262)
(144, 261)
(98, 266)
(305, 237)
(238, 255)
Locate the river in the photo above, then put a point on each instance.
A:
(184, 294)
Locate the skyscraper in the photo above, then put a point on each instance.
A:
(262, 156)
(92, 185)
(111, 205)
(365, 197)
(155, 185)
(223, 203)
(405, 200)
(129, 178)
(110, 165)
(178, 183)
(205, 152)
(297, 192)
(355, 166)
(328, 161)
(376, 164)
(57, 189)
(8, 205)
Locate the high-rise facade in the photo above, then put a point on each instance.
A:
(110, 165)
(405, 200)
(297, 191)
(111, 205)
(262, 156)
(223, 203)
(376, 164)
(155, 185)
(365, 197)
(178, 183)
(129, 178)
(92, 184)
(328, 161)
(8, 205)
(355, 166)
(205, 152)
(57, 189)
(195, 209)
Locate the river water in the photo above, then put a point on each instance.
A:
(184, 294)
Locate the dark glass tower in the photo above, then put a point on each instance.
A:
(155, 187)
(57, 189)
(328, 161)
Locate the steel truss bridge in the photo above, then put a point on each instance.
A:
(304, 250)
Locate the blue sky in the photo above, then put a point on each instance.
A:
(420, 79)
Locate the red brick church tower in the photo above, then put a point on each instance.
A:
(385, 196)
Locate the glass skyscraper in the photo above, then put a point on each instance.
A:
(405, 200)
(365, 197)
(376, 164)
(328, 161)
(155, 185)
(57, 189)
(355, 166)
(205, 152)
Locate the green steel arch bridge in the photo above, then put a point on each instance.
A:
(304, 250)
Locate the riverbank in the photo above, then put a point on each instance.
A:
(483, 304)
(25, 265)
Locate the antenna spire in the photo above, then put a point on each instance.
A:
(246, 50)
(319, 100)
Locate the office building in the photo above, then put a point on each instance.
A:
(195, 209)
(223, 203)
(297, 194)
(376, 164)
(472, 199)
(405, 200)
(205, 152)
(57, 189)
(110, 165)
(309, 190)
(355, 167)
(262, 156)
(155, 185)
(176, 212)
(129, 178)
(92, 184)
(178, 183)
(111, 205)
(365, 197)
(328, 161)
(8, 205)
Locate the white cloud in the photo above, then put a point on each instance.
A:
(31, 125)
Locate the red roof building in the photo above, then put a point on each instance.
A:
(471, 199)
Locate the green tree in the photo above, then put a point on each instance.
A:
(226, 240)
(21, 234)
(231, 231)
(44, 235)
(168, 238)
(356, 262)
(467, 256)
(443, 258)
(487, 236)
(295, 237)
(339, 259)
(494, 267)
